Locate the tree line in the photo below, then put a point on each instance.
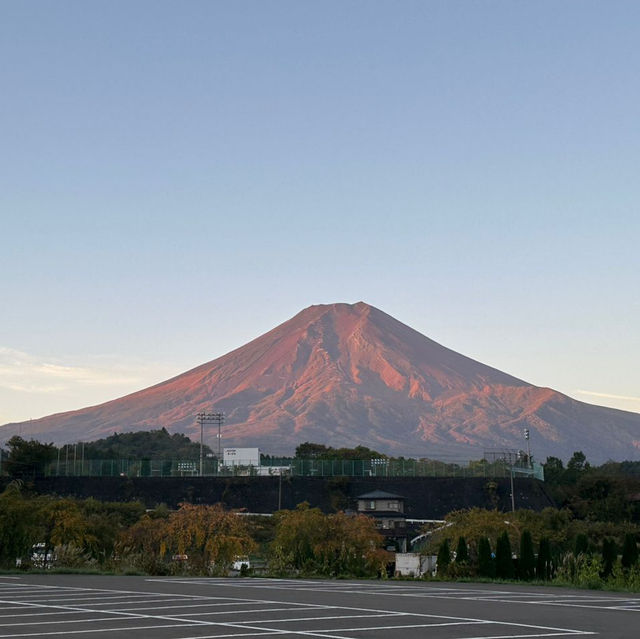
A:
(608, 492)
(86, 534)
(551, 545)
(193, 539)
(29, 458)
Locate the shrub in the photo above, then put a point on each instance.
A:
(588, 570)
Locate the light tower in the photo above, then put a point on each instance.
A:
(526, 436)
(209, 418)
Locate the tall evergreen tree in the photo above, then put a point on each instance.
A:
(444, 558)
(462, 552)
(504, 561)
(527, 560)
(486, 564)
(543, 565)
(609, 556)
(629, 551)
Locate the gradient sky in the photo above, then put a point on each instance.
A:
(177, 178)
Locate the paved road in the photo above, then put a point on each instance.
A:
(83, 607)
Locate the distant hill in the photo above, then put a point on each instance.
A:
(347, 375)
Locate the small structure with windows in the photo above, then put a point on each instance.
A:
(388, 511)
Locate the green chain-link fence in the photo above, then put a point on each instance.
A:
(296, 467)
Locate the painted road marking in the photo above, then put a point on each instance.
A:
(259, 627)
(498, 596)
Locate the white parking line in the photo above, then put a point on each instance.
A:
(258, 627)
(435, 592)
(211, 605)
(94, 630)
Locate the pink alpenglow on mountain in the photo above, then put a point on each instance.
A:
(347, 375)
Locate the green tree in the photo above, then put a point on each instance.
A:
(504, 560)
(543, 564)
(444, 558)
(576, 467)
(20, 524)
(553, 470)
(298, 533)
(581, 545)
(359, 452)
(609, 556)
(153, 444)
(309, 450)
(527, 559)
(462, 551)
(486, 563)
(105, 521)
(629, 551)
(28, 458)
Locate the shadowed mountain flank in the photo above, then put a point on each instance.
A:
(349, 374)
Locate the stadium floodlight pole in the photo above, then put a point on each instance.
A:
(219, 417)
(210, 418)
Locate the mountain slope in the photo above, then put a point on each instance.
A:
(346, 374)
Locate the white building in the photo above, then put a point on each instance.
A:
(411, 564)
(241, 457)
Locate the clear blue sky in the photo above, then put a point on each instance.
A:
(176, 178)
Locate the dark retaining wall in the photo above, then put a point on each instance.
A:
(426, 497)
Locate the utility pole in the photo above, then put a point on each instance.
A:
(513, 496)
(526, 436)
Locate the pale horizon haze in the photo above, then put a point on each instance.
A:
(177, 178)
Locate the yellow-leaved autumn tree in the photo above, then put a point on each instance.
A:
(211, 536)
(310, 542)
(206, 538)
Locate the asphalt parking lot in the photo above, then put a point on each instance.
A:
(184, 608)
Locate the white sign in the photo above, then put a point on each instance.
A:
(241, 457)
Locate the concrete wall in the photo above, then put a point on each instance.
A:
(426, 497)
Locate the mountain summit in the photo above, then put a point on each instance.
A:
(349, 374)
